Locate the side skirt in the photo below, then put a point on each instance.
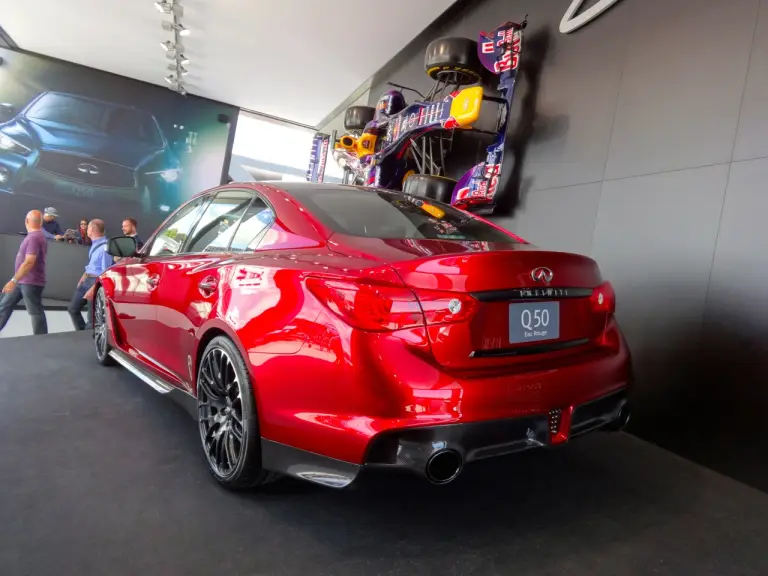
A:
(275, 456)
(184, 399)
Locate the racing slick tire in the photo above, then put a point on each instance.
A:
(432, 187)
(458, 55)
(357, 117)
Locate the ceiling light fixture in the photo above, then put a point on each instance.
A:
(179, 29)
(178, 57)
(174, 50)
(169, 7)
(178, 68)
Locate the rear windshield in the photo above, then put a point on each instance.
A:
(394, 215)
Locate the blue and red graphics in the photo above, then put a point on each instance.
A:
(381, 155)
(318, 157)
(500, 52)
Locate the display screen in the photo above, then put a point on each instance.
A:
(96, 145)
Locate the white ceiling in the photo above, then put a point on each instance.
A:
(294, 59)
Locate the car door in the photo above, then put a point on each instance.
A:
(193, 281)
(137, 307)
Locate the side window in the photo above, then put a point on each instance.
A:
(171, 238)
(256, 220)
(218, 224)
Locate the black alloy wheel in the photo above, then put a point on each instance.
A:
(227, 418)
(100, 330)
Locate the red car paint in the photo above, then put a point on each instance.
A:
(328, 381)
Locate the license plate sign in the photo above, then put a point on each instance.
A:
(534, 322)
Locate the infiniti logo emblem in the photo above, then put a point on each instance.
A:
(87, 169)
(542, 274)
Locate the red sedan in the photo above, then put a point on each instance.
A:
(317, 330)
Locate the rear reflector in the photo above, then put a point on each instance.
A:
(446, 307)
(380, 308)
(603, 299)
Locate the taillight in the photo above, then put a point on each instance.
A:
(603, 299)
(446, 307)
(369, 306)
(380, 308)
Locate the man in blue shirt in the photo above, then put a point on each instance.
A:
(98, 261)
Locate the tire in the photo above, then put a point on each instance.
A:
(100, 329)
(432, 187)
(454, 55)
(357, 117)
(227, 411)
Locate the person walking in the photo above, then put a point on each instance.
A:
(98, 261)
(28, 278)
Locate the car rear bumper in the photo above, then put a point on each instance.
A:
(417, 449)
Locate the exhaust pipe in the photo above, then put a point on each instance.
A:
(623, 418)
(443, 466)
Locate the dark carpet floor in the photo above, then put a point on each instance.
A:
(100, 475)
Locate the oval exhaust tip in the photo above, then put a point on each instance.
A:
(624, 416)
(443, 466)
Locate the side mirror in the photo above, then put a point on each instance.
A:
(122, 246)
(7, 111)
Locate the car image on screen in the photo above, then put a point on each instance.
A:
(65, 145)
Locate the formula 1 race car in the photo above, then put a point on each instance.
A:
(404, 147)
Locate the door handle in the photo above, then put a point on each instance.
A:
(207, 286)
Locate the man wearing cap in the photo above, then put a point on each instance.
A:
(28, 278)
(51, 226)
(98, 261)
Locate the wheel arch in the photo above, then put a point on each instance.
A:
(208, 332)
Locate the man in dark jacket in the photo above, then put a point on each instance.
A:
(51, 225)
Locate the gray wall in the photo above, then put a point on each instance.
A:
(642, 141)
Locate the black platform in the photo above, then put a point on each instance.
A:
(101, 475)
(48, 304)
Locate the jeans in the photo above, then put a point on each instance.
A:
(77, 304)
(33, 300)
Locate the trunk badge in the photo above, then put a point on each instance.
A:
(542, 274)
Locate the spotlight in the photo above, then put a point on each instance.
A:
(168, 45)
(180, 58)
(171, 79)
(180, 89)
(169, 7)
(178, 68)
(180, 29)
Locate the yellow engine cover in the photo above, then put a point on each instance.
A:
(363, 146)
(465, 108)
